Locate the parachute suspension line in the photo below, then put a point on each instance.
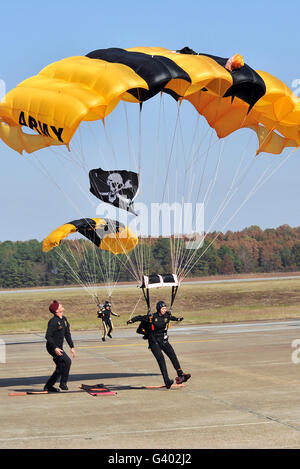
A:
(140, 139)
(107, 275)
(67, 156)
(133, 270)
(86, 275)
(89, 265)
(260, 182)
(165, 186)
(190, 266)
(110, 143)
(228, 197)
(182, 254)
(157, 147)
(82, 190)
(137, 253)
(46, 173)
(95, 137)
(282, 161)
(143, 252)
(135, 306)
(87, 268)
(173, 296)
(106, 265)
(171, 153)
(185, 259)
(150, 243)
(109, 264)
(173, 237)
(175, 243)
(146, 294)
(143, 245)
(147, 298)
(131, 152)
(189, 164)
(79, 152)
(75, 275)
(202, 176)
(137, 158)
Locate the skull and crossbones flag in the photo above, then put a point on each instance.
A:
(116, 187)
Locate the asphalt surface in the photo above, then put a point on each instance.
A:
(244, 391)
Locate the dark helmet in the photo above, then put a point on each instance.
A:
(159, 305)
(107, 303)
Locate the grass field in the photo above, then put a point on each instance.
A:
(199, 304)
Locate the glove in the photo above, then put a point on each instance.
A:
(129, 322)
(180, 319)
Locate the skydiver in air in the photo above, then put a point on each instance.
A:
(104, 314)
(155, 329)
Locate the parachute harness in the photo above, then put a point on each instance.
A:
(158, 281)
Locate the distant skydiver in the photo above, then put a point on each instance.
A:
(155, 329)
(58, 329)
(104, 314)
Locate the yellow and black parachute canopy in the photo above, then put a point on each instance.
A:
(106, 234)
(86, 88)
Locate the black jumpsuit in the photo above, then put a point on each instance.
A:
(104, 314)
(58, 330)
(156, 330)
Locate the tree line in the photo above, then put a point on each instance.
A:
(252, 250)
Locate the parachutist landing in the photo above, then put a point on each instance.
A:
(58, 329)
(155, 329)
(104, 314)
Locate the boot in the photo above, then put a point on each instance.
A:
(169, 384)
(182, 378)
(51, 389)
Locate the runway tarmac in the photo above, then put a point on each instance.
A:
(244, 391)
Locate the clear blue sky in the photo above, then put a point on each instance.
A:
(36, 33)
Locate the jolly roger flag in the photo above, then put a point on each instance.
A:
(117, 187)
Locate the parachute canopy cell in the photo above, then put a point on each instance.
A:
(228, 93)
(106, 234)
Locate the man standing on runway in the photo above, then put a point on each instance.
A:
(58, 330)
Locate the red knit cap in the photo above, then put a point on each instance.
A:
(54, 306)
